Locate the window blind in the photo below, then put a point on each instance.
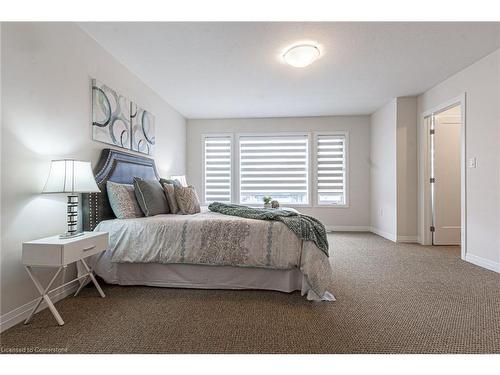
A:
(217, 175)
(331, 169)
(275, 166)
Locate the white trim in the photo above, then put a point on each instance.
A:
(347, 228)
(424, 188)
(390, 236)
(311, 164)
(314, 182)
(407, 239)
(19, 314)
(483, 262)
(424, 171)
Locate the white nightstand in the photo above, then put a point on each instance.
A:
(59, 252)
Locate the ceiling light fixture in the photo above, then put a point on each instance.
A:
(301, 55)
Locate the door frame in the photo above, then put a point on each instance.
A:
(424, 184)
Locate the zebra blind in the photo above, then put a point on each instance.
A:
(275, 166)
(217, 175)
(331, 169)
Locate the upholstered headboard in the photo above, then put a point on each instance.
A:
(116, 166)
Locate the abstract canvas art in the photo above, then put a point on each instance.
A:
(143, 130)
(110, 116)
(118, 121)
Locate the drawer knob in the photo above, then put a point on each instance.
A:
(88, 248)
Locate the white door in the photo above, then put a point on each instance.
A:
(446, 173)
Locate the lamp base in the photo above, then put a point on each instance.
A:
(72, 218)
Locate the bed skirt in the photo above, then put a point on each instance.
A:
(202, 277)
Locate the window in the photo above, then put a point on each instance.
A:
(331, 169)
(217, 168)
(275, 166)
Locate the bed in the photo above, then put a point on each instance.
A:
(207, 250)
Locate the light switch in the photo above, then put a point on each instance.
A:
(472, 163)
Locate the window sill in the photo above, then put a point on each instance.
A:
(281, 205)
(291, 205)
(331, 206)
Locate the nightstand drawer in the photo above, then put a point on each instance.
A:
(84, 248)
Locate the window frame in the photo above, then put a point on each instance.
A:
(204, 136)
(315, 167)
(272, 134)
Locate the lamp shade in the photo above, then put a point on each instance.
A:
(181, 179)
(70, 176)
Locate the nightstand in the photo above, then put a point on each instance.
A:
(58, 253)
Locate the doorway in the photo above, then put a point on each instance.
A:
(443, 180)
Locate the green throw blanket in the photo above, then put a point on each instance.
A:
(305, 227)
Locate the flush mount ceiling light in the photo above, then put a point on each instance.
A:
(301, 55)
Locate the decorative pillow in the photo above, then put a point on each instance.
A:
(170, 194)
(122, 200)
(170, 182)
(187, 200)
(151, 197)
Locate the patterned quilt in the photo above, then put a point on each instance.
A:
(305, 227)
(211, 238)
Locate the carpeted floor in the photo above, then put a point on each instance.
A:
(391, 298)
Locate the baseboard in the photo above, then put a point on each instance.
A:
(19, 314)
(408, 239)
(347, 228)
(483, 262)
(390, 236)
(361, 228)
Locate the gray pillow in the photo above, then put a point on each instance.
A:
(170, 194)
(122, 200)
(187, 200)
(176, 183)
(151, 197)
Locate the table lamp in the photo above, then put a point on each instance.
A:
(71, 177)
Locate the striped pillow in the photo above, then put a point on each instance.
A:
(170, 194)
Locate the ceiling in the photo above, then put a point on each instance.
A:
(229, 70)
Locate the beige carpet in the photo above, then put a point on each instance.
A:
(390, 299)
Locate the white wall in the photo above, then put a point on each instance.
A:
(394, 184)
(46, 74)
(481, 84)
(383, 171)
(357, 214)
(407, 165)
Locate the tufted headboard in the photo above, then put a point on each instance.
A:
(116, 166)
